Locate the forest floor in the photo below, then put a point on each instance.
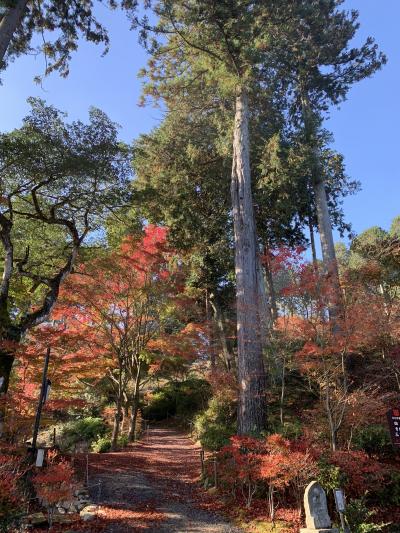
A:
(153, 486)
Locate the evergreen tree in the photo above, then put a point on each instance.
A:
(218, 47)
(69, 20)
(322, 68)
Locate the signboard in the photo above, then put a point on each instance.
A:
(40, 457)
(339, 499)
(393, 417)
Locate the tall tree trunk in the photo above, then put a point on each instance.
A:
(323, 217)
(8, 24)
(13, 335)
(6, 363)
(313, 248)
(251, 371)
(331, 270)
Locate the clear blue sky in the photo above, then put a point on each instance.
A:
(365, 128)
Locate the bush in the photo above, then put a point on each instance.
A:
(216, 424)
(390, 494)
(357, 517)
(86, 429)
(11, 498)
(291, 430)
(123, 441)
(330, 476)
(161, 406)
(102, 445)
(374, 440)
(182, 399)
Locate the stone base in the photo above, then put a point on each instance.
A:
(308, 530)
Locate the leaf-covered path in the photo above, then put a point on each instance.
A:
(152, 487)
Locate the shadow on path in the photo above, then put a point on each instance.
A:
(152, 486)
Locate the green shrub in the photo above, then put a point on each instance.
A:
(357, 517)
(123, 441)
(330, 476)
(85, 429)
(161, 406)
(389, 495)
(374, 440)
(181, 399)
(291, 430)
(216, 424)
(102, 445)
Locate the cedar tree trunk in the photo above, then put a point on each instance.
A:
(251, 371)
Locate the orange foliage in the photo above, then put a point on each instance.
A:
(55, 483)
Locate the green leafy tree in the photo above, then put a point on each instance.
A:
(58, 183)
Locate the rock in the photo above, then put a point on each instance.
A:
(82, 505)
(88, 513)
(36, 519)
(63, 519)
(61, 510)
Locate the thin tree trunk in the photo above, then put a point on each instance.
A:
(283, 386)
(264, 307)
(270, 286)
(228, 359)
(251, 371)
(116, 425)
(8, 24)
(134, 414)
(332, 427)
(125, 414)
(135, 407)
(210, 332)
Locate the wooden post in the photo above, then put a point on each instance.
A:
(215, 472)
(202, 461)
(41, 402)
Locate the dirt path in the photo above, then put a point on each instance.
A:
(152, 487)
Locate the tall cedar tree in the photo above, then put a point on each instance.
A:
(322, 67)
(218, 45)
(58, 183)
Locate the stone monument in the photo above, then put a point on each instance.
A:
(316, 507)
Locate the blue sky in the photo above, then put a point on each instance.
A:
(365, 128)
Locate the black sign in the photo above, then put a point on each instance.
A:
(393, 417)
